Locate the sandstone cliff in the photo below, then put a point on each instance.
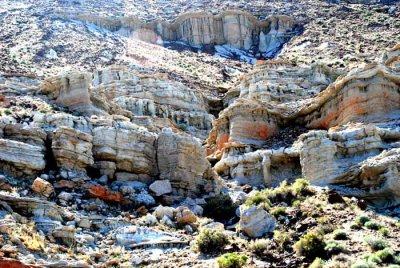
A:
(237, 29)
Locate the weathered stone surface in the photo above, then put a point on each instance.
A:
(17, 158)
(26, 134)
(267, 167)
(354, 156)
(105, 194)
(32, 206)
(72, 149)
(42, 187)
(255, 222)
(369, 94)
(236, 29)
(161, 187)
(162, 211)
(155, 96)
(181, 160)
(129, 150)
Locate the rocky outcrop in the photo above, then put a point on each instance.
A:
(268, 167)
(18, 158)
(72, 149)
(182, 161)
(153, 96)
(364, 157)
(125, 153)
(71, 90)
(370, 94)
(359, 112)
(235, 29)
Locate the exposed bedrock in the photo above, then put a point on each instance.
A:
(356, 146)
(21, 149)
(125, 152)
(363, 157)
(268, 167)
(370, 94)
(72, 149)
(153, 96)
(237, 29)
(182, 160)
(143, 98)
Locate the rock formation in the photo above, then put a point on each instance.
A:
(359, 111)
(182, 161)
(236, 29)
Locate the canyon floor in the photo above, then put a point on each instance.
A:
(199, 133)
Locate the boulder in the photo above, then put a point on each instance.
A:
(42, 187)
(161, 187)
(161, 211)
(185, 215)
(105, 194)
(255, 222)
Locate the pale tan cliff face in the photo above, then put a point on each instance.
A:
(236, 29)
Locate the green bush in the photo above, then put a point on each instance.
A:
(372, 225)
(211, 241)
(284, 193)
(231, 260)
(361, 220)
(384, 231)
(375, 243)
(311, 245)
(386, 255)
(333, 248)
(259, 198)
(219, 208)
(340, 235)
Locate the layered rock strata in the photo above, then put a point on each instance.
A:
(236, 29)
(182, 161)
(357, 149)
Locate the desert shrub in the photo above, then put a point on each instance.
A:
(332, 247)
(317, 263)
(278, 211)
(386, 255)
(231, 260)
(259, 198)
(360, 264)
(340, 235)
(355, 226)
(372, 225)
(220, 208)
(311, 245)
(326, 229)
(281, 237)
(384, 231)
(361, 220)
(375, 243)
(260, 246)
(210, 241)
(373, 259)
(287, 193)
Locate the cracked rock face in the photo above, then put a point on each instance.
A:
(181, 160)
